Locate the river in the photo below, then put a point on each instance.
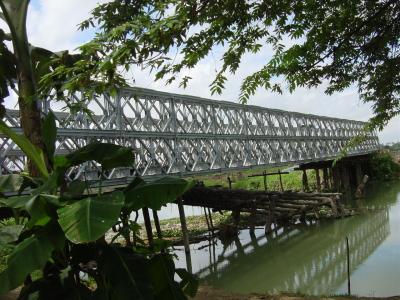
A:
(311, 259)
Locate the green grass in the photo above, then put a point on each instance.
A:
(291, 181)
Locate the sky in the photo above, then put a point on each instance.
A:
(53, 24)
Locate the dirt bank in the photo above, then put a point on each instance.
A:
(208, 293)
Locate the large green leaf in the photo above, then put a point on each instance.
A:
(10, 233)
(189, 283)
(125, 273)
(30, 150)
(38, 210)
(161, 272)
(155, 193)
(89, 219)
(108, 155)
(14, 14)
(28, 256)
(49, 133)
(10, 183)
(15, 202)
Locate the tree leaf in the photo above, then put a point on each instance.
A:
(10, 234)
(88, 219)
(108, 155)
(30, 150)
(189, 283)
(126, 273)
(49, 132)
(10, 183)
(156, 193)
(28, 256)
(15, 202)
(38, 211)
(161, 271)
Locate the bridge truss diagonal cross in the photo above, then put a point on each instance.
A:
(186, 135)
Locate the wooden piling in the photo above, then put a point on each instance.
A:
(147, 224)
(336, 178)
(345, 178)
(157, 224)
(206, 216)
(265, 180)
(318, 179)
(211, 220)
(280, 179)
(348, 267)
(236, 217)
(359, 173)
(325, 178)
(270, 216)
(305, 181)
(229, 182)
(253, 216)
(182, 218)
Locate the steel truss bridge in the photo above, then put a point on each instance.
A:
(185, 135)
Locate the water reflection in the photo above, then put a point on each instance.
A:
(306, 259)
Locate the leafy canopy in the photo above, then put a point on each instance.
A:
(339, 42)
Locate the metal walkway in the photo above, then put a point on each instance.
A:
(186, 135)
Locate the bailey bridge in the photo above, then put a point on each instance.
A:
(186, 135)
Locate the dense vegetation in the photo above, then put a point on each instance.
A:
(383, 167)
(59, 230)
(335, 44)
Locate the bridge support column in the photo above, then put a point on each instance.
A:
(335, 178)
(325, 178)
(305, 181)
(345, 177)
(359, 173)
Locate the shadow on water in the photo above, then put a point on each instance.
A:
(307, 259)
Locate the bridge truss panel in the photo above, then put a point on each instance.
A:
(184, 135)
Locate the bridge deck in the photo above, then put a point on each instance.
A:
(185, 135)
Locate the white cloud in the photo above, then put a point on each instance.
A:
(53, 24)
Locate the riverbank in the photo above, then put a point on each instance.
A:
(209, 293)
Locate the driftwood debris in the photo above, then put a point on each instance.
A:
(360, 189)
(276, 206)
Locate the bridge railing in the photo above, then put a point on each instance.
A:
(178, 134)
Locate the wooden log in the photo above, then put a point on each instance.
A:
(361, 186)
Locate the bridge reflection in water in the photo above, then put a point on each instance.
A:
(310, 260)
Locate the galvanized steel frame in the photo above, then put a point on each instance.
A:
(186, 135)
